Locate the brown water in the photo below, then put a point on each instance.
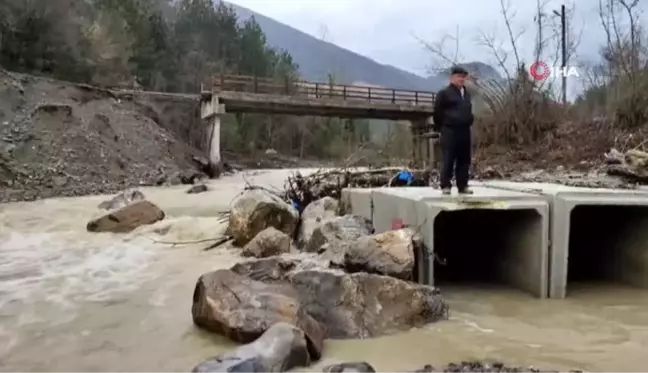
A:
(75, 301)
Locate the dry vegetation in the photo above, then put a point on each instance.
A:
(523, 123)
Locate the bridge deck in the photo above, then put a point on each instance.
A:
(261, 95)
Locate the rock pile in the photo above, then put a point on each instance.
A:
(464, 366)
(314, 273)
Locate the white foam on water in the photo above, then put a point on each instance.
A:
(64, 269)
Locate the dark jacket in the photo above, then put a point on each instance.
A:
(451, 110)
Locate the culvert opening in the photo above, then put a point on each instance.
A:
(608, 244)
(481, 246)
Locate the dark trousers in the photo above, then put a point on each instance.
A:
(456, 147)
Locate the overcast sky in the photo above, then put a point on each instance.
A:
(384, 29)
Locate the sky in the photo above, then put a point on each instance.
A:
(387, 30)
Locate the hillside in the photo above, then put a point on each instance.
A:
(317, 58)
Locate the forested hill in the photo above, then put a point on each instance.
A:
(160, 44)
(166, 45)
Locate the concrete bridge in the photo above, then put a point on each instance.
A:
(250, 94)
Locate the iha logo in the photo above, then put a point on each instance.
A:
(540, 71)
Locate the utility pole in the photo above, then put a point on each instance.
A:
(564, 53)
(539, 49)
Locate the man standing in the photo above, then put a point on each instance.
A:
(453, 117)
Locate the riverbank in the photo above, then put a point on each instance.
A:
(59, 139)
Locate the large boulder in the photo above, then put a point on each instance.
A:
(281, 348)
(340, 228)
(256, 210)
(278, 269)
(243, 309)
(268, 242)
(390, 253)
(363, 305)
(127, 218)
(358, 305)
(312, 217)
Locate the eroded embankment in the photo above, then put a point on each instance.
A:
(63, 139)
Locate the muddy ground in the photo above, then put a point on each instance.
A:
(60, 139)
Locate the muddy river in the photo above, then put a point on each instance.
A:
(75, 301)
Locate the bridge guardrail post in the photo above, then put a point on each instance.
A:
(287, 84)
(256, 83)
(416, 97)
(369, 94)
(316, 90)
(344, 92)
(393, 96)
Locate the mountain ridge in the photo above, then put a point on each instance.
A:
(346, 66)
(319, 58)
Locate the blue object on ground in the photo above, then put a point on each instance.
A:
(295, 204)
(405, 176)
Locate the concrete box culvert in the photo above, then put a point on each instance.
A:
(596, 235)
(491, 236)
(357, 201)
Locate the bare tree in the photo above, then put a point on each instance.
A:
(441, 59)
(625, 62)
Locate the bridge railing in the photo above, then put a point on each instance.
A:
(253, 84)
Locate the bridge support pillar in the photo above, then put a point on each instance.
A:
(425, 144)
(211, 112)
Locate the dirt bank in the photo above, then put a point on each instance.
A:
(62, 139)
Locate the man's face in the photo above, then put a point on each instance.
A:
(458, 79)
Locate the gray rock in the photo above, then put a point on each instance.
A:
(242, 309)
(256, 210)
(122, 199)
(127, 218)
(339, 228)
(363, 305)
(359, 367)
(481, 366)
(278, 269)
(268, 242)
(390, 253)
(358, 305)
(199, 188)
(282, 347)
(312, 217)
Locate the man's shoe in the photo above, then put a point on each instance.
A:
(465, 191)
(446, 191)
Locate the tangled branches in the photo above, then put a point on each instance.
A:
(301, 190)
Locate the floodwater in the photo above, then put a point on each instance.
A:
(76, 301)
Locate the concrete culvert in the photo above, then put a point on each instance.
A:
(491, 236)
(479, 246)
(607, 243)
(596, 234)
